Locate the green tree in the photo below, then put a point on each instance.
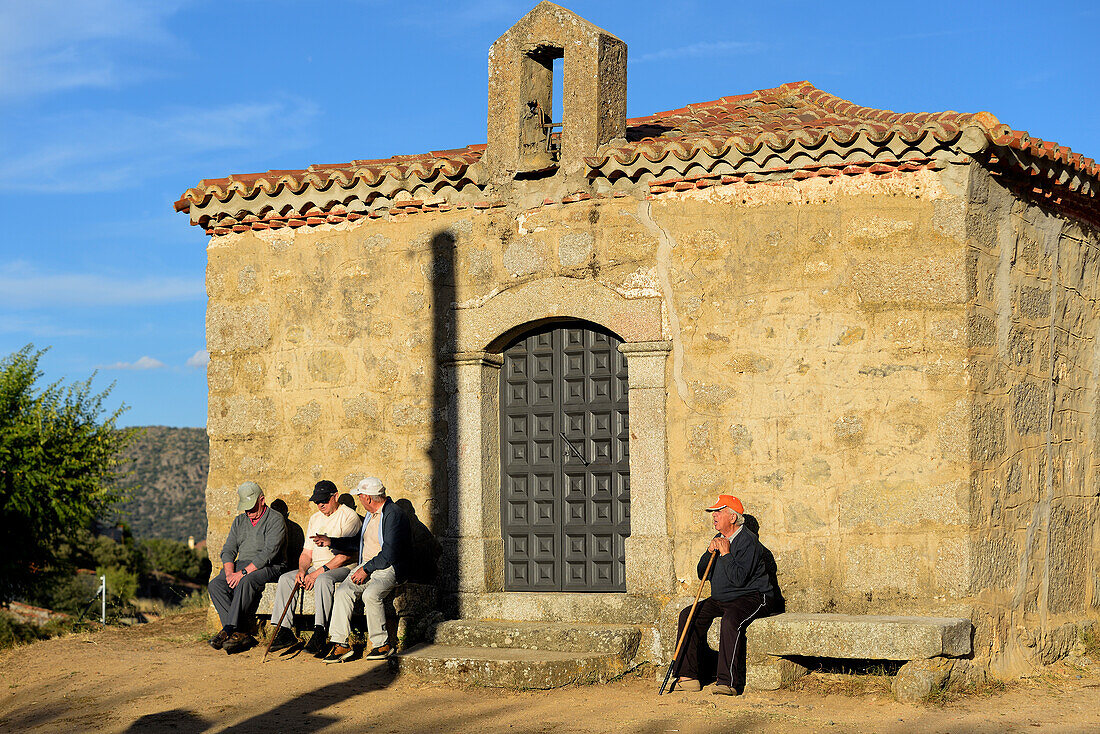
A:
(59, 456)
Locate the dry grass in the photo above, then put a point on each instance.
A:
(951, 693)
(845, 684)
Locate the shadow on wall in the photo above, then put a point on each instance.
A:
(295, 535)
(426, 550)
(444, 437)
(779, 604)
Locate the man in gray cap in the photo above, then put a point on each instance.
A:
(383, 553)
(254, 554)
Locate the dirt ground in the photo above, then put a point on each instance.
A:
(161, 677)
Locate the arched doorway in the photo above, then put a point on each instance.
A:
(565, 460)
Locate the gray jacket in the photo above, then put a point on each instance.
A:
(263, 545)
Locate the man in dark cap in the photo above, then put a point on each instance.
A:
(254, 554)
(740, 591)
(319, 568)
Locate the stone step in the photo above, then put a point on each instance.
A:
(864, 637)
(621, 640)
(510, 667)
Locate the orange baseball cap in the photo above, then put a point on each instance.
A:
(727, 500)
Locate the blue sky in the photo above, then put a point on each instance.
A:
(110, 109)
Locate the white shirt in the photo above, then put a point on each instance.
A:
(341, 523)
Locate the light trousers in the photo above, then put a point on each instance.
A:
(324, 588)
(380, 583)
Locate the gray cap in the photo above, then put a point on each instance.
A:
(371, 486)
(249, 494)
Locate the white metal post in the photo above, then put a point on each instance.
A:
(103, 599)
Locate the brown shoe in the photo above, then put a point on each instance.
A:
(238, 642)
(340, 654)
(721, 690)
(218, 640)
(688, 685)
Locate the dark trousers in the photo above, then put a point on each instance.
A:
(736, 616)
(232, 604)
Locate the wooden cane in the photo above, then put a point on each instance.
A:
(687, 625)
(293, 593)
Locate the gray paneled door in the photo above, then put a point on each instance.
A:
(565, 461)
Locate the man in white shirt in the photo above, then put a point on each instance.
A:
(319, 568)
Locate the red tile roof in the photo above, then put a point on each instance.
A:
(794, 129)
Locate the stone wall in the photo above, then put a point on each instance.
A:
(840, 351)
(1034, 364)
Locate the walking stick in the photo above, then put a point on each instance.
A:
(687, 625)
(293, 593)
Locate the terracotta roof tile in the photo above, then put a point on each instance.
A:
(769, 125)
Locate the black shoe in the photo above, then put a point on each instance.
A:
(317, 641)
(283, 639)
(379, 653)
(238, 642)
(219, 640)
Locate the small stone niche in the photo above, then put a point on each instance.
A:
(523, 140)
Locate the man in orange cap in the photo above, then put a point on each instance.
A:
(740, 591)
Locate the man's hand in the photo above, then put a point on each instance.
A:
(310, 578)
(233, 579)
(719, 544)
(360, 577)
(321, 541)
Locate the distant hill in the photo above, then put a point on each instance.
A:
(167, 483)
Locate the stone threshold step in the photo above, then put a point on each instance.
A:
(622, 640)
(509, 667)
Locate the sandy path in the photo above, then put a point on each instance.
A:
(162, 678)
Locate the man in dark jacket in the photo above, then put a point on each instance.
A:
(740, 591)
(254, 554)
(384, 554)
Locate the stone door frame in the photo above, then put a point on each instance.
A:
(482, 330)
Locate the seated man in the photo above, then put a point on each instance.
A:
(740, 591)
(254, 554)
(384, 552)
(319, 568)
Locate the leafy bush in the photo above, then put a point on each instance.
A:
(59, 460)
(174, 558)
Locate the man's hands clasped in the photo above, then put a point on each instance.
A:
(719, 544)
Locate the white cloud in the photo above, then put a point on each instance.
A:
(49, 46)
(199, 359)
(37, 326)
(106, 150)
(23, 287)
(143, 363)
(702, 49)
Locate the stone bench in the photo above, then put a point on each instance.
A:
(411, 611)
(930, 645)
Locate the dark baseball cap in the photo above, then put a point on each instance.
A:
(322, 491)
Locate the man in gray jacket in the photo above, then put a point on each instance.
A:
(254, 554)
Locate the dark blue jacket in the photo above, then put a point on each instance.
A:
(741, 571)
(396, 541)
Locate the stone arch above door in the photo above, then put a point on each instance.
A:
(474, 532)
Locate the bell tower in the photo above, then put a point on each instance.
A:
(523, 140)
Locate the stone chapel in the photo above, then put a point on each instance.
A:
(879, 330)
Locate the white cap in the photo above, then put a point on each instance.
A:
(371, 486)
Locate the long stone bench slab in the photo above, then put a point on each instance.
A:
(860, 637)
(929, 644)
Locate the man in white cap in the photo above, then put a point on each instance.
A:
(383, 553)
(254, 554)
